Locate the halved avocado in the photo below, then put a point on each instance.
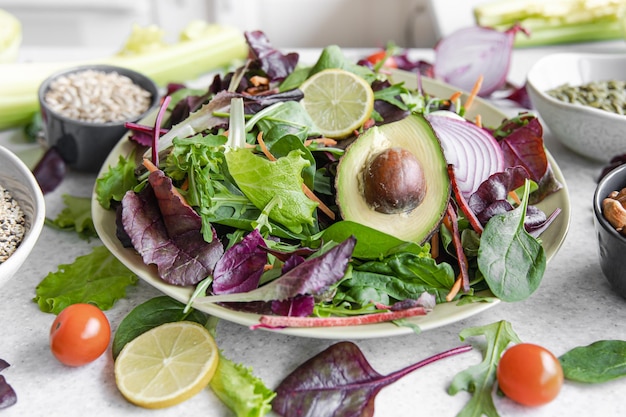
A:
(394, 179)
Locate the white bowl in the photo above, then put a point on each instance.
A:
(18, 179)
(594, 133)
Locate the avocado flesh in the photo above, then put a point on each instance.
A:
(414, 134)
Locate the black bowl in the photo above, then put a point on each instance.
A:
(611, 244)
(84, 145)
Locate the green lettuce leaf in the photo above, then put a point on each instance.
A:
(113, 185)
(97, 278)
(263, 181)
(76, 215)
(242, 392)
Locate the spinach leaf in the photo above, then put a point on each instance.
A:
(600, 361)
(399, 277)
(339, 382)
(479, 379)
(511, 260)
(98, 278)
(371, 243)
(150, 314)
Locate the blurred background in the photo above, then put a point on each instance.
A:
(288, 23)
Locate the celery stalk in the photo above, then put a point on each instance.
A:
(558, 21)
(210, 49)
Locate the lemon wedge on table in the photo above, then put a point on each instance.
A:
(338, 101)
(166, 365)
(10, 37)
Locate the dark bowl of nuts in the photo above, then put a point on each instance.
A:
(609, 209)
(22, 213)
(84, 110)
(581, 98)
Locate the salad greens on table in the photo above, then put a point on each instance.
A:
(207, 211)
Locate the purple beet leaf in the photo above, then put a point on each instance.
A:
(50, 170)
(167, 232)
(8, 397)
(241, 267)
(311, 277)
(339, 382)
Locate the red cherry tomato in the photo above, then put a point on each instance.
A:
(529, 374)
(79, 334)
(376, 57)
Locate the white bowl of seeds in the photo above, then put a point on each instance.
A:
(22, 213)
(581, 97)
(84, 110)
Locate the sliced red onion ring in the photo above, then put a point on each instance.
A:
(464, 55)
(474, 153)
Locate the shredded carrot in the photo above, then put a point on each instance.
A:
(185, 185)
(515, 197)
(323, 141)
(322, 206)
(455, 288)
(455, 96)
(479, 120)
(149, 165)
(434, 245)
(474, 92)
(266, 152)
(325, 209)
(268, 267)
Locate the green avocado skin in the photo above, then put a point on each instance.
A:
(415, 135)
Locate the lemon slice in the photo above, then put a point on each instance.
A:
(338, 101)
(166, 365)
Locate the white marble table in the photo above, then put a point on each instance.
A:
(574, 306)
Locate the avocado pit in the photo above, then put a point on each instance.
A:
(393, 181)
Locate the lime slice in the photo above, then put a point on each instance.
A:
(338, 101)
(166, 365)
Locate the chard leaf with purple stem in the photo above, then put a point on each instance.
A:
(339, 382)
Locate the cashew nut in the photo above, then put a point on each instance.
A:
(614, 210)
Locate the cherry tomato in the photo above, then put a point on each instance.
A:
(529, 374)
(376, 57)
(79, 334)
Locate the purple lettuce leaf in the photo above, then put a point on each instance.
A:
(298, 306)
(166, 232)
(311, 277)
(241, 267)
(491, 196)
(276, 65)
(524, 146)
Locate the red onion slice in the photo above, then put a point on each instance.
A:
(474, 153)
(464, 55)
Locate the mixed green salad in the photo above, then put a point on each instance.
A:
(235, 191)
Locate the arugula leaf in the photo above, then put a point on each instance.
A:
(512, 261)
(262, 180)
(598, 362)
(116, 181)
(241, 391)
(98, 278)
(479, 379)
(75, 215)
(150, 314)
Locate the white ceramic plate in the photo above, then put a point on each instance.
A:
(442, 314)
